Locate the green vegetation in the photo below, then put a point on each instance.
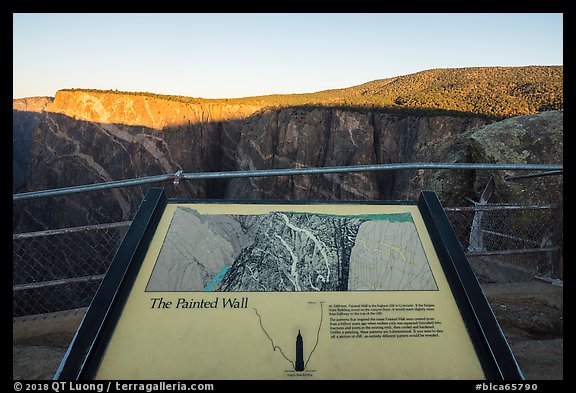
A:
(497, 92)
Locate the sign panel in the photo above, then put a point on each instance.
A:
(225, 290)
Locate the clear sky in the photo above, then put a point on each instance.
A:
(240, 55)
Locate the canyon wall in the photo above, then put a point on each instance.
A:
(91, 137)
(26, 113)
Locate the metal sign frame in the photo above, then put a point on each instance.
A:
(88, 347)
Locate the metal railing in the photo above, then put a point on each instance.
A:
(552, 169)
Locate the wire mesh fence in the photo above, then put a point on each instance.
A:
(510, 242)
(61, 269)
(501, 227)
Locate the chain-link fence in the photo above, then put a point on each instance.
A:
(61, 269)
(507, 243)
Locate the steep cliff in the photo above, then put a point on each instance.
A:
(298, 137)
(98, 145)
(87, 136)
(26, 113)
(145, 110)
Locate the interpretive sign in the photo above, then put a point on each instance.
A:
(303, 290)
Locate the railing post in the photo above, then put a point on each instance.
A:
(557, 218)
(476, 242)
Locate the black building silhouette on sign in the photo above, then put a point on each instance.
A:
(299, 353)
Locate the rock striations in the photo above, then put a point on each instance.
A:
(27, 113)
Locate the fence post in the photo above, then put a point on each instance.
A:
(556, 233)
(476, 241)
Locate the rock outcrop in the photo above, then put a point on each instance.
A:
(530, 139)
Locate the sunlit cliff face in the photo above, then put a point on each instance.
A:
(141, 110)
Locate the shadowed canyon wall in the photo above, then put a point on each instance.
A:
(27, 112)
(84, 137)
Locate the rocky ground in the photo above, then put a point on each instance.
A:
(530, 315)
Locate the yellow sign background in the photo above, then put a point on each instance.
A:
(258, 341)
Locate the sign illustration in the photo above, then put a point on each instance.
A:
(289, 251)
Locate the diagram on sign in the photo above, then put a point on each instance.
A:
(290, 251)
(302, 356)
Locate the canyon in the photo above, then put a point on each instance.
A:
(86, 136)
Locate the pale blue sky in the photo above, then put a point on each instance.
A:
(241, 55)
